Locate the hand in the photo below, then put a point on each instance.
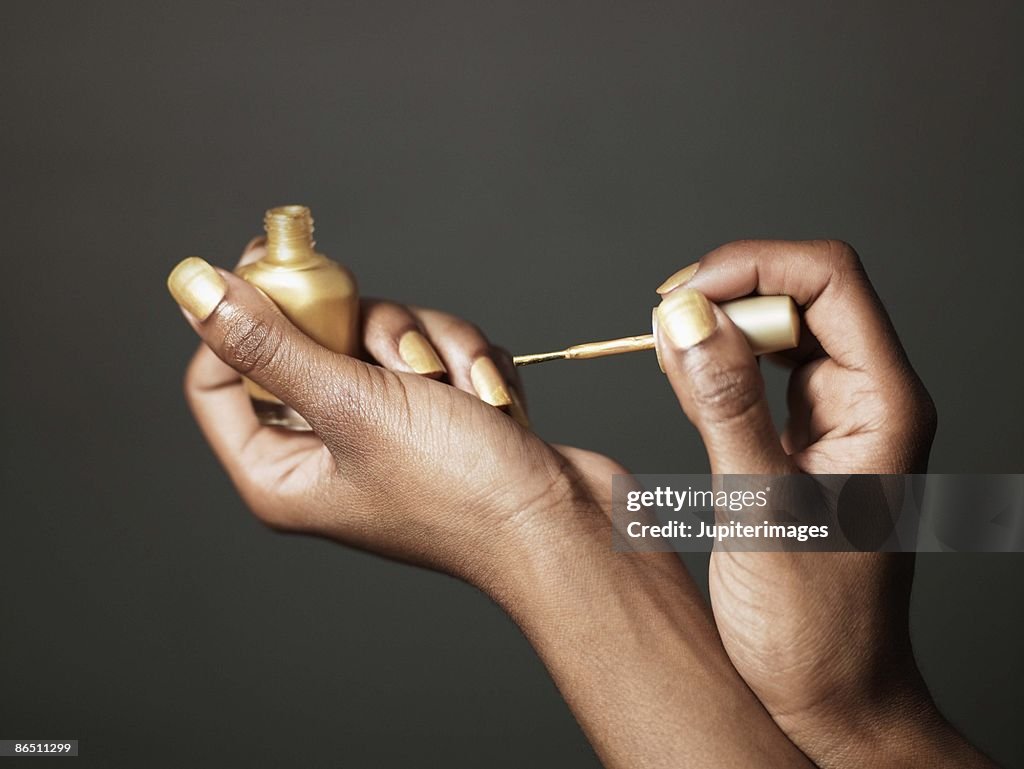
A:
(821, 638)
(399, 463)
(410, 467)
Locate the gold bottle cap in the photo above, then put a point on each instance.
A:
(770, 323)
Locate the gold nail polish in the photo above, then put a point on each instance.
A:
(419, 354)
(258, 242)
(196, 286)
(687, 317)
(678, 278)
(654, 333)
(517, 410)
(488, 382)
(316, 294)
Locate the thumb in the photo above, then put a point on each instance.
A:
(248, 332)
(717, 381)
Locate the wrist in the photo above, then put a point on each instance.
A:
(532, 551)
(629, 642)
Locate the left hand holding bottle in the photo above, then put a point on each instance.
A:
(398, 463)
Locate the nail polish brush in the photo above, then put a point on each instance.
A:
(770, 324)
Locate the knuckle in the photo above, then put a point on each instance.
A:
(251, 344)
(733, 248)
(843, 256)
(260, 488)
(725, 393)
(910, 420)
(742, 244)
(270, 513)
(930, 414)
(907, 406)
(475, 330)
(924, 414)
(385, 310)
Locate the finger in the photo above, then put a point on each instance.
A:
(808, 349)
(800, 400)
(395, 339)
(221, 406)
(207, 372)
(254, 250)
(255, 457)
(217, 396)
(716, 379)
(275, 471)
(824, 277)
(468, 356)
(247, 331)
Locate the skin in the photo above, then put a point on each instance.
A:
(822, 638)
(422, 471)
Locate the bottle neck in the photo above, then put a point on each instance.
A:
(289, 235)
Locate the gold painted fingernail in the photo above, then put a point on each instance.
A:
(687, 317)
(517, 411)
(679, 278)
(419, 354)
(488, 382)
(254, 250)
(258, 242)
(654, 330)
(196, 286)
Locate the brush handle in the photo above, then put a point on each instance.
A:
(770, 324)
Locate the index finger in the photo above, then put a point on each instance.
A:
(824, 277)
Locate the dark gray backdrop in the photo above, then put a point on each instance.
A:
(536, 167)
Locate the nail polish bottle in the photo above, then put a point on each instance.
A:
(316, 294)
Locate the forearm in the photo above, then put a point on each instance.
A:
(632, 647)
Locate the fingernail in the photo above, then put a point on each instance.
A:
(517, 410)
(654, 330)
(488, 383)
(196, 286)
(687, 317)
(256, 242)
(679, 278)
(253, 251)
(419, 354)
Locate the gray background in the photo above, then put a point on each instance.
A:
(536, 167)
